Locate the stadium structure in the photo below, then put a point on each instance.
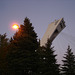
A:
(52, 31)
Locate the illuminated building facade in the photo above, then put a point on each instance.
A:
(53, 30)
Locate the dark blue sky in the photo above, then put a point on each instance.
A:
(41, 13)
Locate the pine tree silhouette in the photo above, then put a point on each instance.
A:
(68, 67)
(47, 61)
(21, 55)
(3, 45)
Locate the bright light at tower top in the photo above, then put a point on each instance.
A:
(15, 26)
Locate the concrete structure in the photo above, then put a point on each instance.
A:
(52, 31)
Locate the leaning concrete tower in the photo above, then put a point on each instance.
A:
(53, 30)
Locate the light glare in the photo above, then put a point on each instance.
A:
(15, 26)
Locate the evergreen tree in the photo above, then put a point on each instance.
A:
(47, 62)
(68, 67)
(3, 40)
(21, 55)
(26, 34)
(3, 44)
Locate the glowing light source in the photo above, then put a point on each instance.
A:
(15, 26)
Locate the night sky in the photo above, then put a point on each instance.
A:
(41, 13)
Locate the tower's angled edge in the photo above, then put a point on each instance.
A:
(52, 31)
